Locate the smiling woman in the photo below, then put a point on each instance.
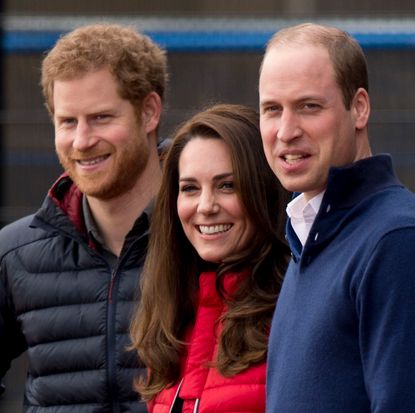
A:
(209, 208)
(213, 270)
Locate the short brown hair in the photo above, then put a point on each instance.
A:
(347, 56)
(138, 65)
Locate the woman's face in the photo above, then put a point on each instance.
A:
(210, 211)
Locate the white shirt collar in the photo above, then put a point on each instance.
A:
(303, 214)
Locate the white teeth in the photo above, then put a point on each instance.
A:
(214, 229)
(291, 158)
(89, 162)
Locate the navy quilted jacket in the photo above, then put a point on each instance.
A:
(60, 300)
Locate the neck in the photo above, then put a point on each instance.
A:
(363, 146)
(115, 217)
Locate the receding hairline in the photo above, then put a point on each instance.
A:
(307, 34)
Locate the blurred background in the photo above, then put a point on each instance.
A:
(214, 50)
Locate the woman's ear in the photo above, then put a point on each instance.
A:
(361, 108)
(151, 111)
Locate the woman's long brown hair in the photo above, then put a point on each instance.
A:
(172, 267)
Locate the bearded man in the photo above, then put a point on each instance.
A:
(68, 273)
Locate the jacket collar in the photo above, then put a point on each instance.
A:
(68, 197)
(347, 187)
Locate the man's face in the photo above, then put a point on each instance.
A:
(305, 126)
(99, 140)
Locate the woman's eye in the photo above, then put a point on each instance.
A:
(187, 188)
(227, 185)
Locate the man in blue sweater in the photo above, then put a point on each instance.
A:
(343, 333)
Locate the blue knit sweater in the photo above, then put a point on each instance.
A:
(343, 333)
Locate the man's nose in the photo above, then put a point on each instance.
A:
(289, 126)
(84, 137)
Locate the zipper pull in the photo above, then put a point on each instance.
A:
(196, 408)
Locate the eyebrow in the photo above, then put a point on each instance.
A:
(215, 178)
(266, 101)
(100, 111)
(300, 99)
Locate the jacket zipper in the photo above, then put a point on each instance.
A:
(176, 396)
(115, 407)
(111, 330)
(111, 287)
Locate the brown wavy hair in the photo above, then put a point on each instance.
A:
(172, 267)
(138, 65)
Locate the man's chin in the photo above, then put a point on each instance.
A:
(103, 192)
(94, 188)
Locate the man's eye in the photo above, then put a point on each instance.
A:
(68, 121)
(102, 117)
(272, 108)
(311, 106)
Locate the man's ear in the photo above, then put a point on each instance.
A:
(151, 111)
(361, 108)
